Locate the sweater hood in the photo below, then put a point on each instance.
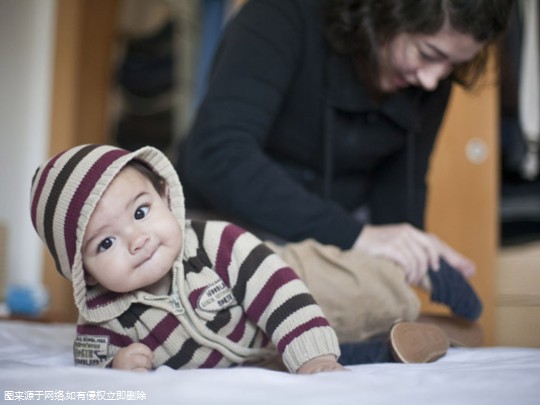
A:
(65, 191)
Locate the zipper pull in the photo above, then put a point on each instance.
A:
(177, 305)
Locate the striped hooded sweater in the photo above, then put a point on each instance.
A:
(232, 300)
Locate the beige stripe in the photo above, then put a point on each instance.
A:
(265, 271)
(212, 237)
(46, 190)
(65, 200)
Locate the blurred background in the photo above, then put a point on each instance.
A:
(132, 72)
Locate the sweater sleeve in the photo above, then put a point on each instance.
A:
(274, 298)
(96, 345)
(225, 160)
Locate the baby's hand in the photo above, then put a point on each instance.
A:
(135, 357)
(321, 364)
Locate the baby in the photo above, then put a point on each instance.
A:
(153, 288)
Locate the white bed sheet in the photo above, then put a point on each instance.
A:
(36, 363)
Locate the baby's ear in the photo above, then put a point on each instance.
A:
(89, 279)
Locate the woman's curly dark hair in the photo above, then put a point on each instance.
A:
(359, 27)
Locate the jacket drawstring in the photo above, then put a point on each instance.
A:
(328, 152)
(411, 141)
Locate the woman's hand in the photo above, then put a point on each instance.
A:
(135, 357)
(414, 250)
(321, 364)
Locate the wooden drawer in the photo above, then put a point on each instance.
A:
(518, 296)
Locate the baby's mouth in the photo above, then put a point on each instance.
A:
(146, 256)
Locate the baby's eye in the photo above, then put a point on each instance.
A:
(141, 212)
(105, 244)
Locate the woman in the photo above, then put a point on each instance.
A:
(320, 119)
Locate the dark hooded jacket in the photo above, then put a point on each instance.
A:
(288, 139)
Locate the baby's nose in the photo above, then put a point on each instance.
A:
(138, 241)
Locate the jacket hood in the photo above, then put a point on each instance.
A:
(65, 191)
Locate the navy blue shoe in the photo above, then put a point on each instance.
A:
(451, 288)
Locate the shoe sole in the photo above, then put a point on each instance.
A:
(417, 342)
(459, 332)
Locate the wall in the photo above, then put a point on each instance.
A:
(26, 46)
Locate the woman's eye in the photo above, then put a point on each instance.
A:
(105, 244)
(427, 57)
(141, 212)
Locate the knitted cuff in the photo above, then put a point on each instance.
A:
(311, 344)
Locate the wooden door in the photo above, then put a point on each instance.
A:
(464, 191)
(84, 40)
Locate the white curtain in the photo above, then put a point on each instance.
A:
(529, 88)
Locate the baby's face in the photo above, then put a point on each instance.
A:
(132, 238)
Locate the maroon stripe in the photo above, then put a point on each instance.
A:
(228, 238)
(265, 295)
(56, 194)
(194, 296)
(81, 194)
(103, 299)
(239, 330)
(299, 330)
(212, 360)
(41, 184)
(161, 332)
(114, 338)
(265, 340)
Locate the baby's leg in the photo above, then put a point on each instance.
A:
(448, 286)
(362, 296)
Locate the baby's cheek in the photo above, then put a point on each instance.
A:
(88, 276)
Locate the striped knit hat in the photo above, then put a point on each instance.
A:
(66, 189)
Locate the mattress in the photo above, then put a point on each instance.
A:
(36, 364)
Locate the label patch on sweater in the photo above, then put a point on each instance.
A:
(90, 350)
(216, 297)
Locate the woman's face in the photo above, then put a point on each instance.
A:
(424, 60)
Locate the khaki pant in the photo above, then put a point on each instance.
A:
(361, 295)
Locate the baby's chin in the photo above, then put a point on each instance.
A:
(161, 286)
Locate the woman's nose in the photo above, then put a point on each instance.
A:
(429, 76)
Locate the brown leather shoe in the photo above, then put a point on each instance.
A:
(458, 331)
(412, 342)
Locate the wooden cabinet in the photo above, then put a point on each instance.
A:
(518, 296)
